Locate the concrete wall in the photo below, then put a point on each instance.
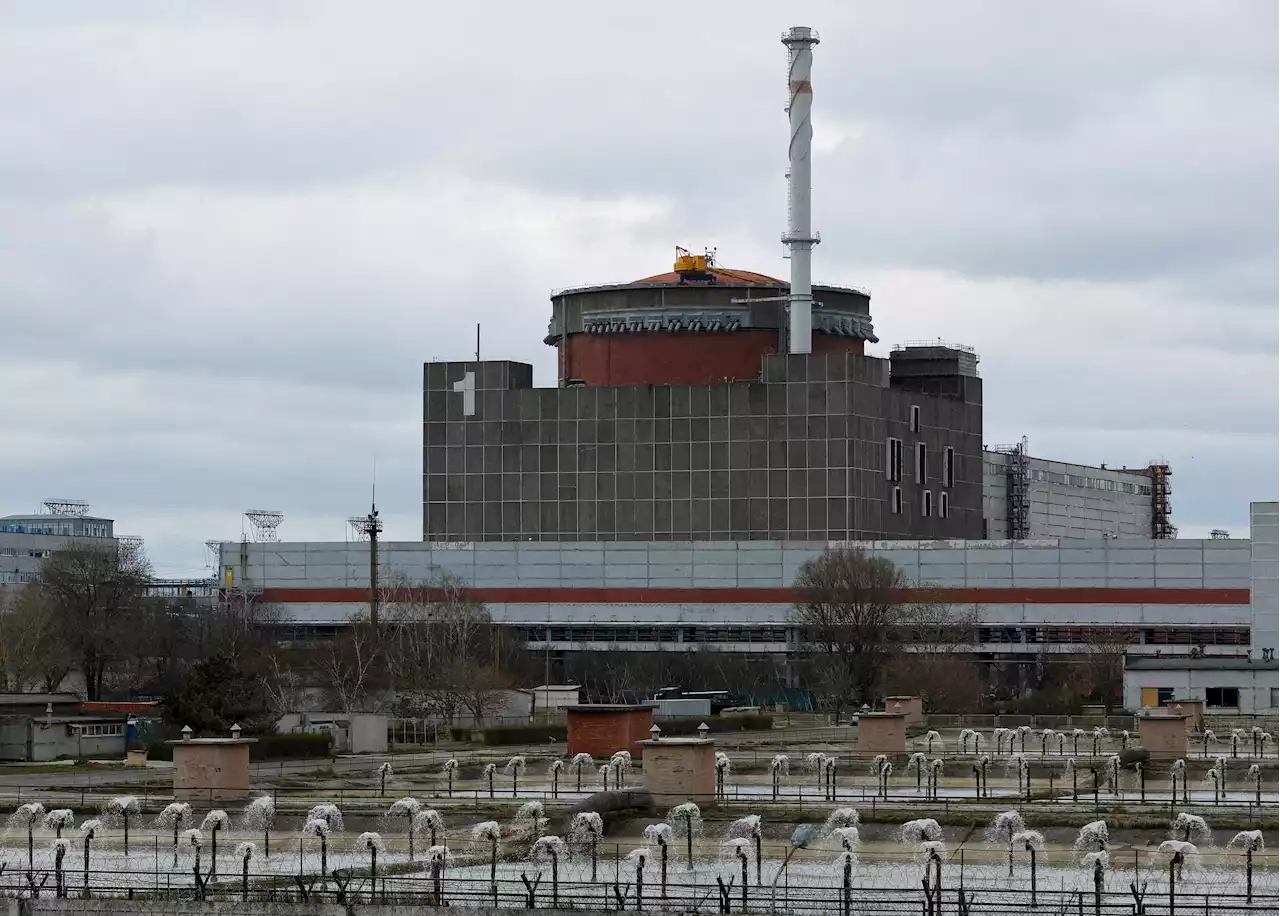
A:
(21, 555)
(551, 701)
(1264, 595)
(686, 707)
(1069, 500)
(368, 734)
(357, 733)
(801, 453)
(1255, 686)
(32, 740)
(1042, 563)
(735, 595)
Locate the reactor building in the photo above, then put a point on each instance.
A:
(709, 404)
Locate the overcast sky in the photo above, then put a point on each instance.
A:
(231, 233)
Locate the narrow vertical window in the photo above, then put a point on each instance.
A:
(897, 500)
(920, 462)
(893, 470)
(944, 505)
(915, 419)
(949, 467)
(927, 505)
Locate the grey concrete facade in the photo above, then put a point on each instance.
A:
(1264, 595)
(843, 311)
(1166, 595)
(1248, 686)
(1069, 500)
(21, 554)
(802, 454)
(84, 526)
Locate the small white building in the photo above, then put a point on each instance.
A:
(353, 733)
(1232, 685)
(551, 700)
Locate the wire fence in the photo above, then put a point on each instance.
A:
(794, 796)
(626, 888)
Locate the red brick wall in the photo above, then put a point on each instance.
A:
(680, 357)
(641, 721)
(601, 734)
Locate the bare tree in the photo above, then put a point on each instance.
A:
(861, 630)
(1100, 665)
(282, 681)
(446, 654)
(850, 617)
(938, 663)
(32, 651)
(95, 593)
(351, 666)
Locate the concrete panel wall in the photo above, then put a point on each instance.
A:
(1069, 500)
(993, 564)
(1255, 686)
(1264, 596)
(602, 585)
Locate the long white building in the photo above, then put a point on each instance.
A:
(1035, 596)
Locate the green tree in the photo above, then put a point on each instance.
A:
(217, 693)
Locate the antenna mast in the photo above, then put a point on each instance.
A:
(263, 525)
(76, 507)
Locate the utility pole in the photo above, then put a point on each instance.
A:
(546, 676)
(372, 526)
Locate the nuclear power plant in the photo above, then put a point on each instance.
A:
(711, 404)
(712, 427)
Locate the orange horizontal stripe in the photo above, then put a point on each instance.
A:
(772, 595)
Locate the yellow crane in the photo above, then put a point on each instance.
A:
(695, 267)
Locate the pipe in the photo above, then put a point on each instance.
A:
(800, 237)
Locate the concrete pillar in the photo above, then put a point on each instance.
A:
(1192, 709)
(882, 733)
(911, 707)
(1164, 736)
(677, 770)
(210, 769)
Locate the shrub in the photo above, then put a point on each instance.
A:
(733, 722)
(291, 746)
(522, 734)
(268, 747)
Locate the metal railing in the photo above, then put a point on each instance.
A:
(617, 888)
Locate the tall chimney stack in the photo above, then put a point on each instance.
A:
(800, 237)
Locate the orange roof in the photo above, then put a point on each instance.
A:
(101, 706)
(723, 276)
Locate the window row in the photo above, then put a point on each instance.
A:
(926, 504)
(669, 634)
(1074, 480)
(1117, 636)
(106, 730)
(894, 462)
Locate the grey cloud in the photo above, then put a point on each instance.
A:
(233, 232)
